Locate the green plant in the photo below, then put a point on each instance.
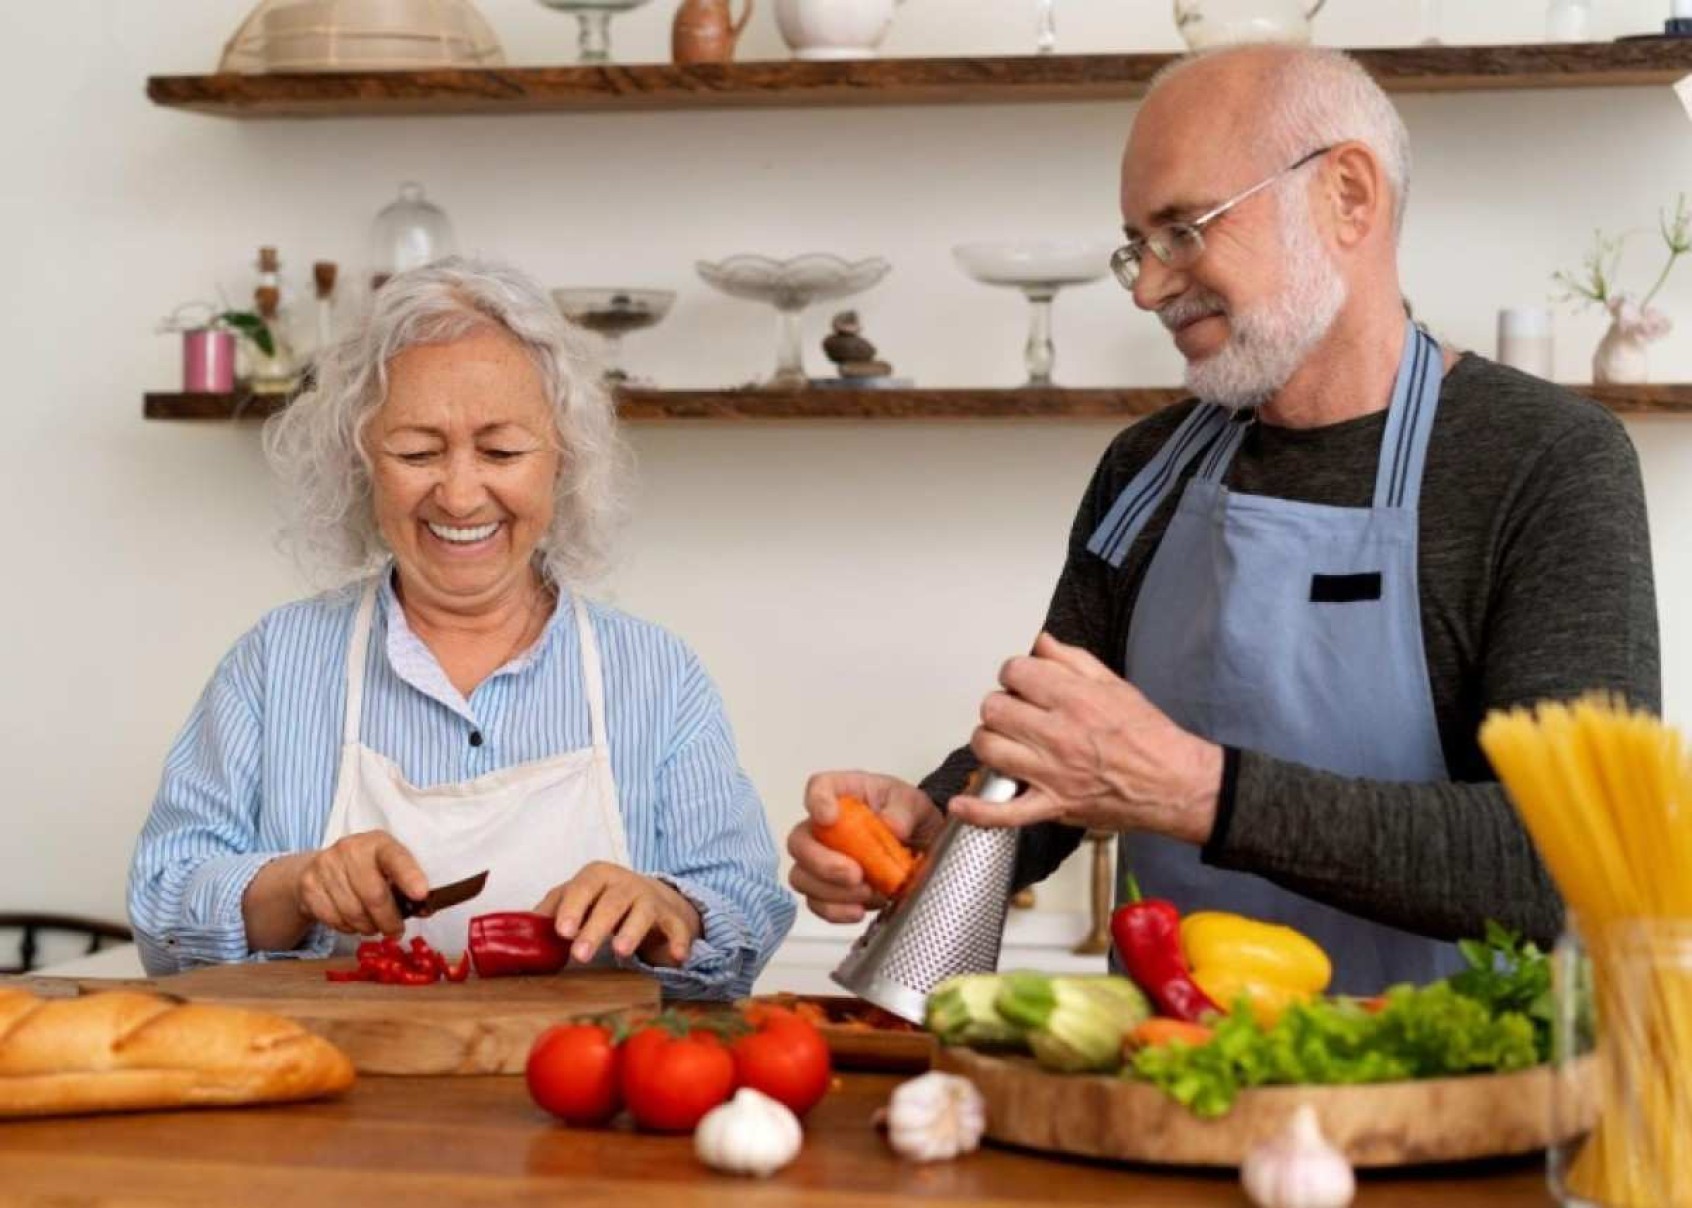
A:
(249, 324)
(1596, 281)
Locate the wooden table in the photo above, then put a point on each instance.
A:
(435, 1141)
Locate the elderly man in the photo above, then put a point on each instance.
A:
(1288, 604)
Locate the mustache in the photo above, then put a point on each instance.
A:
(1187, 308)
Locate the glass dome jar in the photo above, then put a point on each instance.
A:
(1622, 1051)
(409, 232)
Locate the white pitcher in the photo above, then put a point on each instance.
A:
(1208, 23)
(834, 29)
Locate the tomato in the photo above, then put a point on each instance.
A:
(786, 1058)
(572, 1072)
(671, 1081)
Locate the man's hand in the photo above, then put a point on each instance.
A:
(641, 916)
(1093, 751)
(832, 884)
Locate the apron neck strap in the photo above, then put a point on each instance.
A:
(1410, 419)
(357, 649)
(593, 677)
(1139, 499)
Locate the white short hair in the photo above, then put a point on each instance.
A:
(316, 447)
(1319, 97)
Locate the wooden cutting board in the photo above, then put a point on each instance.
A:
(1387, 1124)
(474, 1027)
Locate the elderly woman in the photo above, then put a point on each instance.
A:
(458, 707)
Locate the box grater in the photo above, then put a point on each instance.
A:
(950, 921)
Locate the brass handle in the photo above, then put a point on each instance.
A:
(1097, 940)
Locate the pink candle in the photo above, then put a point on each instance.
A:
(208, 361)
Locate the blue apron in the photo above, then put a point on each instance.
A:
(1293, 629)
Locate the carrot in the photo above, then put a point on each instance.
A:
(1158, 1031)
(858, 833)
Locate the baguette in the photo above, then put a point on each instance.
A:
(122, 1051)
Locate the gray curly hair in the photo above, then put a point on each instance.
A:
(316, 445)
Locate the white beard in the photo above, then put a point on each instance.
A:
(1268, 343)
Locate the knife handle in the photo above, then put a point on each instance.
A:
(409, 908)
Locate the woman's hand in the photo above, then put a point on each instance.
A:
(349, 886)
(641, 916)
(833, 884)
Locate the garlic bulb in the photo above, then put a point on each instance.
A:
(750, 1134)
(1298, 1168)
(935, 1117)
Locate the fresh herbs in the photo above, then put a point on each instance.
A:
(1493, 1016)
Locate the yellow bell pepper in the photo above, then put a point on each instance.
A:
(1232, 956)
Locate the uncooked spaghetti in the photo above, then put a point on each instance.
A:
(1606, 793)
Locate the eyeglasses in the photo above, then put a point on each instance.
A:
(1180, 244)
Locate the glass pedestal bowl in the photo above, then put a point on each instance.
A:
(790, 286)
(1040, 268)
(595, 17)
(613, 313)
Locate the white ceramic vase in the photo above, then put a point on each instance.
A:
(834, 29)
(1621, 358)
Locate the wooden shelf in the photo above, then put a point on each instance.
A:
(789, 84)
(664, 406)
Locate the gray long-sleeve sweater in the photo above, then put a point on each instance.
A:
(1535, 569)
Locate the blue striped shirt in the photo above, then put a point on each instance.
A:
(252, 774)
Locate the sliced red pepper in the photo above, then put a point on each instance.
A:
(510, 943)
(459, 970)
(1147, 934)
(347, 975)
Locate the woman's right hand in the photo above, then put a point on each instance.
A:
(349, 885)
(832, 884)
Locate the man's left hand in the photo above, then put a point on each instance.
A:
(1093, 751)
(641, 916)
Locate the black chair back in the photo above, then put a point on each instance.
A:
(97, 932)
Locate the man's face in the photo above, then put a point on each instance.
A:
(1264, 291)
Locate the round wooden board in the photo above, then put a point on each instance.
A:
(1387, 1124)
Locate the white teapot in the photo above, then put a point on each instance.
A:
(1209, 23)
(834, 29)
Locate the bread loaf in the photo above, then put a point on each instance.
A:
(123, 1051)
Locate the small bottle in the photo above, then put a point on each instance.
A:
(276, 371)
(323, 275)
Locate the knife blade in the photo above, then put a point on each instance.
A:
(440, 898)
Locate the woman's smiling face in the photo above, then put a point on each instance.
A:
(464, 464)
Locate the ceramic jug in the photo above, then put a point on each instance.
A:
(705, 31)
(834, 29)
(1208, 23)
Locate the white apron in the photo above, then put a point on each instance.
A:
(532, 826)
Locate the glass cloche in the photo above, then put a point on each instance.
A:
(409, 232)
(361, 35)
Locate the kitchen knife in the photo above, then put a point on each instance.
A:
(441, 898)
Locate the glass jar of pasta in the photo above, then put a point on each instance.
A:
(1622, 1051)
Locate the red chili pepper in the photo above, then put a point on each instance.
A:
(512, 942)
(389, 963)
(1147, 934)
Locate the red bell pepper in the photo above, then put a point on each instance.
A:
(1147, 934)
(511, 943)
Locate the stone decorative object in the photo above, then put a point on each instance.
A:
(853, 355)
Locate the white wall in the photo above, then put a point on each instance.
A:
(852, 587)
